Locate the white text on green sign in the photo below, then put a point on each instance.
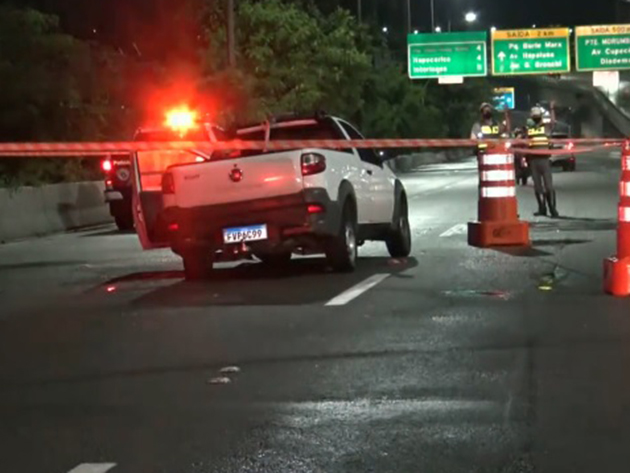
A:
(601, 48)
(543, 51)
(434, 55)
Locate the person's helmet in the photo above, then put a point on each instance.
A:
(485, 105)
(536, 112)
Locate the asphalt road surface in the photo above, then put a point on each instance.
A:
(454, 360)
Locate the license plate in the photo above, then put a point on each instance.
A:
(250, 233)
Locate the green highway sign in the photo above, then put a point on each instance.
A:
(435, 55)
(602, 48)
(540, 51)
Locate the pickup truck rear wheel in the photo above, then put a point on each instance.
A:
(399, 240)
(124, 221)
(197, 265)
(341, 251)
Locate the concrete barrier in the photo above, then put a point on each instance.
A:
(37, 211)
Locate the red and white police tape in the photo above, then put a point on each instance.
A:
(73, 149)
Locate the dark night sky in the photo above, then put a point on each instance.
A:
(116, 17)
(517, 13)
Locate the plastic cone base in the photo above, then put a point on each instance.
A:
(488, 234)
(617, 276)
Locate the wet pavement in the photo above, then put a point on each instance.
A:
(456, 359)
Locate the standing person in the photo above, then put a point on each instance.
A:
(486, 128)
(539, 135)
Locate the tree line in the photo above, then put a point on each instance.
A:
(292, 56)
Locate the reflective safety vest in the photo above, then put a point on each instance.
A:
(488, 132)
(538, 137)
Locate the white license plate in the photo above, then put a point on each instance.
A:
(250, 233)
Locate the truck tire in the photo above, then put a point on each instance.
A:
(399, 240)
(341, 250)
(124, 222)
(197, 265)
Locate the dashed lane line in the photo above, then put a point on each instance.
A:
(93, 468)
(458, 229)
(356, 291)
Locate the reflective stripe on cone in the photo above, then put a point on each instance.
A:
(497, 159)
(624, 214)
(497, 192)
(498, 175)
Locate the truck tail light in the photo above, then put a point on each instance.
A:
(315, 209)
(106, 165)
(313, 163)
(168, 184)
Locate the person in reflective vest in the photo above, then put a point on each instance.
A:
(539, 134)
(487, 128)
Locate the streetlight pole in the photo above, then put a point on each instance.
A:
(360, 10)
(231, 41)
(408, 16)
(432, 15)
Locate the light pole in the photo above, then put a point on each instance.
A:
(360, 10)
(408, 16)
(433, 14)
(231, 42)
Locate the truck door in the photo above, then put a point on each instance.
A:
(148, 168)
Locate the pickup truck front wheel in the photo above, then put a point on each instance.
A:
(341, 251)
(197, 265)
(399, 240)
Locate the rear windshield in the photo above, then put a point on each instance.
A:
(316, 131)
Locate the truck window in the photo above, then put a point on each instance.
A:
(285, 132)
(366, 155)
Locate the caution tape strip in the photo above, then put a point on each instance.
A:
(104, 148)
(560, 152)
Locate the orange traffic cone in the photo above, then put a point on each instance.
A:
(617, 268)
(498, 223)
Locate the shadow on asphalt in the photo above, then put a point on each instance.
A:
(521, 251)
(560, 242)
(39, 265)
(108, 232)
(303, 281)
(571, 224)
(534, 252)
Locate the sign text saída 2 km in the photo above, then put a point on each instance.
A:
(602, 48)
(435, 55)
(539, 51)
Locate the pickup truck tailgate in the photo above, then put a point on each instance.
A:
(237, 180)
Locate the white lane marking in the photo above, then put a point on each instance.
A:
(356, 291)
(458, 229)
(93, 468)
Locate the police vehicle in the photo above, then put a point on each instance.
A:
(180, 124)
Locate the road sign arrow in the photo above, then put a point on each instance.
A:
(502, 56)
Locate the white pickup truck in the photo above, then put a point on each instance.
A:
(273, 204)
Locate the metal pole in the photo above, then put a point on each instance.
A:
(432, 15)
(408, 16)
(360, 10)
(231, 41)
